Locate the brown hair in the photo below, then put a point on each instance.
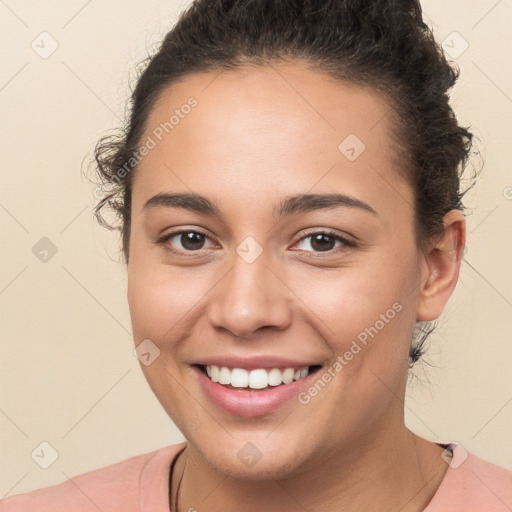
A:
(383, 44)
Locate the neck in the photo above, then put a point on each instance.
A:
(401, 472)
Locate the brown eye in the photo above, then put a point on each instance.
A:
(191, 241)
(322, 242)
(184, 241)
(325, 242)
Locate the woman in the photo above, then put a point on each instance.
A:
(291, 218)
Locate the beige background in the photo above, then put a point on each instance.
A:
(68, 374)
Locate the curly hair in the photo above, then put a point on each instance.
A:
(382, 44)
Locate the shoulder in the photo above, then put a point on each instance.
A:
(473, 484)
(119, 486)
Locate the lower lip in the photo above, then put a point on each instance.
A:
(249, 404)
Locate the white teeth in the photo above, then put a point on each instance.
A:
(258, 379)
(224, 376)
(214, 373)
(288, 375)
(255, 379)
(274, 377)
(239, 378)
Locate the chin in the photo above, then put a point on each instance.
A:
(245, 460)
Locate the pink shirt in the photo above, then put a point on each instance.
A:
(141, 484)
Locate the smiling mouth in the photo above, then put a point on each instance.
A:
(259, 379)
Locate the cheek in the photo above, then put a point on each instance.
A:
(161, 303)
(350, 299)
(367, 309)
(160, 300)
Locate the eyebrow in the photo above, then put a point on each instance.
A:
(300, 203)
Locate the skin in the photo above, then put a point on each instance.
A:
(252, 140)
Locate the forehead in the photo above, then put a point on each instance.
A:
(265, 131)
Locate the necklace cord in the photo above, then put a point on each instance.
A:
(179, 484)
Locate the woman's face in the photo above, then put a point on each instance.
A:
(255, 278)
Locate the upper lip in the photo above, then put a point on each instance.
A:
(252, 363)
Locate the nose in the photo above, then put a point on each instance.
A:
(249, 297)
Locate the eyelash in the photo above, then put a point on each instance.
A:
(163, 242)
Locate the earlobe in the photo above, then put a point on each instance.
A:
(440, 268)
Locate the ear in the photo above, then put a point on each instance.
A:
(440, 267)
